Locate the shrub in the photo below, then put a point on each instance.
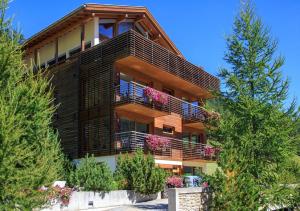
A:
(139, 173)
(174, 182)
(68, 168)
(92, 176)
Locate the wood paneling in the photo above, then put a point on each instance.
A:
(173, 120)
(86, 119)
(65, 81)
(140, 110)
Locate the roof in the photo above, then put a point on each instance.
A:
(89, 10)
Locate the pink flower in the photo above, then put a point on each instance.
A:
(209, 151)
(156, 96)
(157, 142)
(174, 182)
(205, 185)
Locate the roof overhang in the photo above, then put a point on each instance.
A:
(87, 11)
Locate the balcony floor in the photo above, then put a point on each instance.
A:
(140, 110)
(194, 125)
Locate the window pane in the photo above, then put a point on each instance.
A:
(194, 138)
(167, 129)
(126, 125)
(186, 137)
(142, 128)
(124, 27)
(106, 31)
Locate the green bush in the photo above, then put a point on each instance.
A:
(92, 176)
(68, 168)
(138, 173)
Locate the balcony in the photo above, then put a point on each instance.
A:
(142, 100)
(173, 149)
(133, 52)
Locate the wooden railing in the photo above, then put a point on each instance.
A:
(176, 149)
(132, 43)
(153, 53)
(132, 92)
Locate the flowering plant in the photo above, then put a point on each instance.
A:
(156, 96)
(174, 182)
(157, 142)
(209, 151)
(205, 185)
(62, 194)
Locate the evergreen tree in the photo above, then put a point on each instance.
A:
(256, 134)
(30, 154)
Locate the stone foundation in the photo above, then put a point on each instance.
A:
(189, 199)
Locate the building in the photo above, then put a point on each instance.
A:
(121, 84)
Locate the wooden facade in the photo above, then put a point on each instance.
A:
(86, 86)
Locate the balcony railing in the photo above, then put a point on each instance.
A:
(132, 92)
(132, 43)
(153, 53)
(175, 148)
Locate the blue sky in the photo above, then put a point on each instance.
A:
(197, 27)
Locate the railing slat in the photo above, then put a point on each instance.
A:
(132, 92)
(130, 141)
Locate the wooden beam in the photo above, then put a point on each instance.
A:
(82, 37)
(35, 53)
(140, 18)
(56, 49)
(122, 17)
(156, 38)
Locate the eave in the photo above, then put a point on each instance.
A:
(87, 11)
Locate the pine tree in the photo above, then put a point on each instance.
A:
(256, 133)
(30, 154)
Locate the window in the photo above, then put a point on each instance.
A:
(126, 125)
(168, 129)
(195, 138)
(74, 51)
(186, 137)
(124, 27)
(130, 125)
(106, 31)
(141, 127)
(62, 58)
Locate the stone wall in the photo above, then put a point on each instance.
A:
(84, 200)
(189, 199)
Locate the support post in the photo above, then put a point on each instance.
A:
(82, 37)
(96, 39)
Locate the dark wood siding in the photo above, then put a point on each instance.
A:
(65, 84)
(84, 88)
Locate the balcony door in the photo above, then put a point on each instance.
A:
(127, 125)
